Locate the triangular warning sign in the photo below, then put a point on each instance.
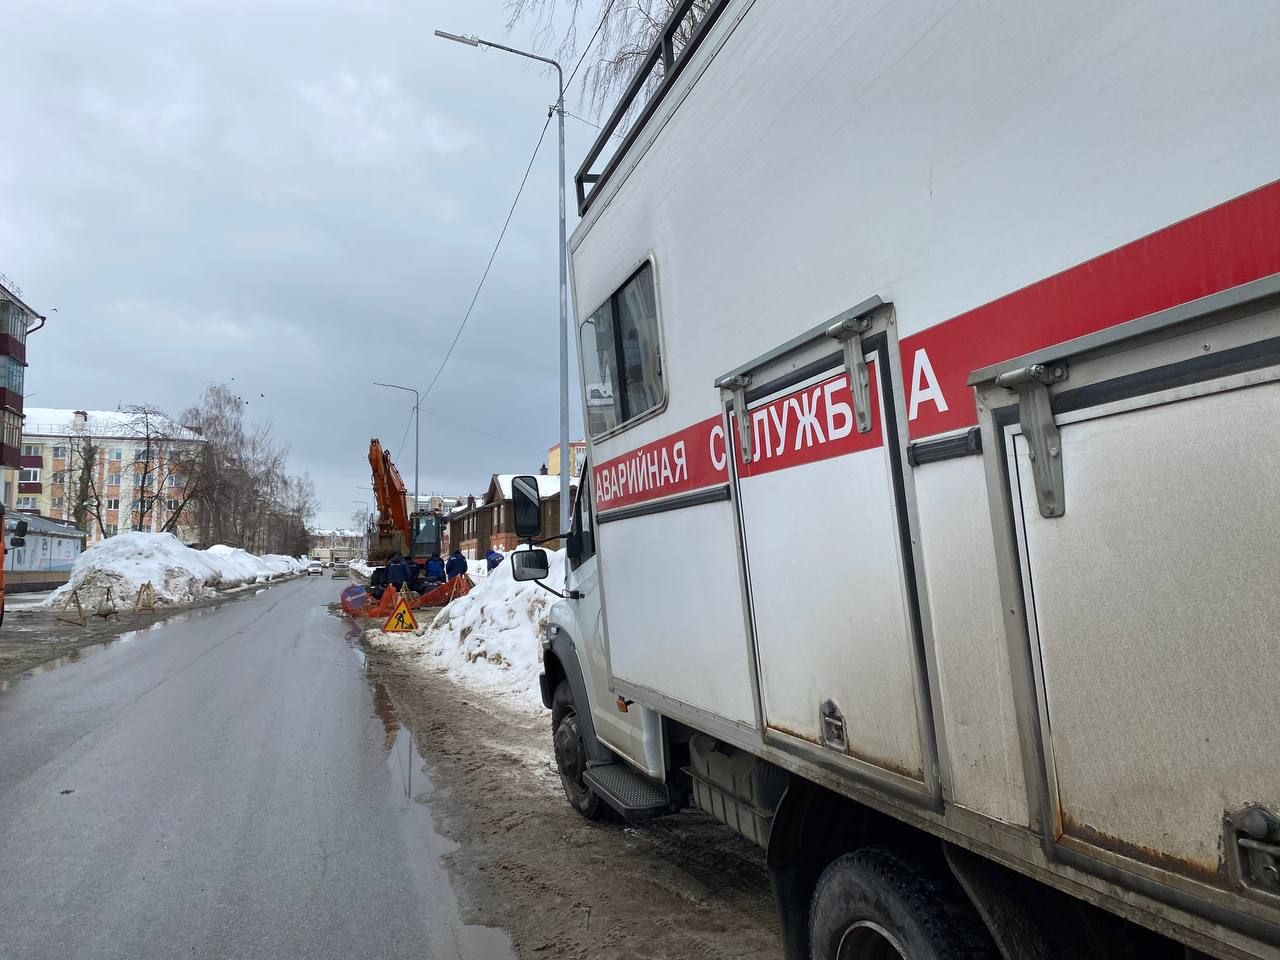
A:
(401, 619)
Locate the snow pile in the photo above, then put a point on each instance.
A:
(179, 574)
(491, 638)
(360, 567)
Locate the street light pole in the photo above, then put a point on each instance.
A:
(417, 419)
(563, 255)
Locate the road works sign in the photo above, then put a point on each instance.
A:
(401, 619)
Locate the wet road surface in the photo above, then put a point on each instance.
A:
(226, 784)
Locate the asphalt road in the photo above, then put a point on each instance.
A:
(226, 784)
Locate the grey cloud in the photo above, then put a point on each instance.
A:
(299, 195)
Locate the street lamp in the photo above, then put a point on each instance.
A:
(474, 41)
(416, 412)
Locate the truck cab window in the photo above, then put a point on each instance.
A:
(621, 356)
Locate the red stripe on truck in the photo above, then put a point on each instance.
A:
(809, 425)
(1227, 245)
(1223, 247)
(804, 426)
(688, 460)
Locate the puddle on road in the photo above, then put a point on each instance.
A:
(89, 649)
(447, 934)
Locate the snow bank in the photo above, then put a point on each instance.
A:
(490, 639)
(179, 574)
(360, 567)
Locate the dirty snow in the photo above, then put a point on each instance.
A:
(489, 640)
(179, 574)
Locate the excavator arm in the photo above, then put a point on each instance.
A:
(394, 535)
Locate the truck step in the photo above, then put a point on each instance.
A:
(632, 794)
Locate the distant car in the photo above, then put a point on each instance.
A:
(315, 566)
(340, 570)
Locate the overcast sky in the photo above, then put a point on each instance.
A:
(301, 196)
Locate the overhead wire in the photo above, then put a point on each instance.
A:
(502, 234)
(483, 433)
(400, 445)
(484, 276)
(590, 43)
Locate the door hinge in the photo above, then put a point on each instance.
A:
(849, 333)
(735, 389)
(1253, 842)
(1044, 442)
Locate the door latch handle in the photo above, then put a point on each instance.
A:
(1044, 441)
(849, 334)
(735, 388)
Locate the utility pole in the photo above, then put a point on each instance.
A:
(417, 419)
(563, 256)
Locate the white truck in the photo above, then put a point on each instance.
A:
(931, 532)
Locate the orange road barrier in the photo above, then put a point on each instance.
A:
(447, 591)
(359, 602)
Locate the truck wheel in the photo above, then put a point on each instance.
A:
(571, 754)
(877, 905)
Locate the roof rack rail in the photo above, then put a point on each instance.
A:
(662, 55)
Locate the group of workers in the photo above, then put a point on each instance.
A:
(403, 571)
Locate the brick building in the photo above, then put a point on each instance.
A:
(491, 522)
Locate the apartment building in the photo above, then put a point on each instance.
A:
(123, 470)
(17, 319)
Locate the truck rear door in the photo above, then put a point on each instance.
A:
(818, 479)
(1141, 472)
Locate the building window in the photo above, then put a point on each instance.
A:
(14, 320)
(59, 453)
(113, 503)
(58, 476)
(26, 503)
(58, 503)
(171, 505)
(14, 371)
(117, 453)
(621, 355)
(113, 479)
(29, 474)
(141, 453)
(31, 449)
(10, 429)
(111, 529)
(173, 480)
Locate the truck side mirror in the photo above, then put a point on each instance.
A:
(527, 506)
(530, 565)
(20, 529)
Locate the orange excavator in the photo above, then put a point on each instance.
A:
(415, 535)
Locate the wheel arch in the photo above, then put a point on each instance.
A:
(812, 826)
(560, 664)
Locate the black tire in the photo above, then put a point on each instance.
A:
(878, 905)
(571, 754)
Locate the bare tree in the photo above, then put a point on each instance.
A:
(243, 494)
(626, 31)
(86, 504)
